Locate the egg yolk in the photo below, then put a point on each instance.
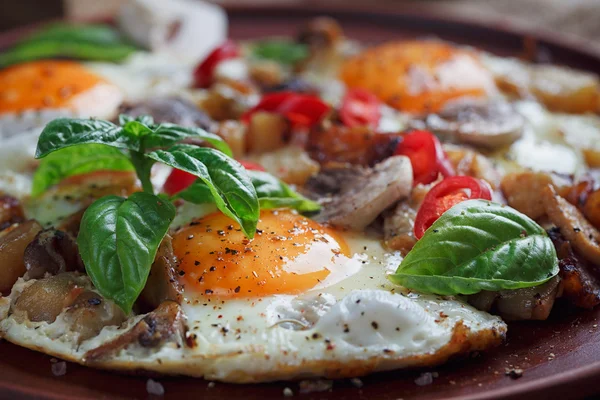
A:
(418, 76)
(289, 254)
(44, 84)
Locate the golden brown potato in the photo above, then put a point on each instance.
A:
(591, 208)
(13, 242)
(234, 134)
(290, 164)
(472, 163)
(523, 191)
(266, 132)
(44, 299)
(267, 73)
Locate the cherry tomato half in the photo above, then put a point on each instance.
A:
(302, 110)
(426, 155)
(203, 74)
(360, 108)
(179, 180)
(447, 194)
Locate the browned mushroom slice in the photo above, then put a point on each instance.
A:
(489, 125)
(170, 109)
(52, 252)
(580, 281)
(523, 191)
(321, 33)
(162, 283)
(165, 324)
(89, 313)
(366, 195)
(573, 225)
(11, 211)
(472, 163)
(357, 146)
(534, 303)
(13, 242)
(44, 299)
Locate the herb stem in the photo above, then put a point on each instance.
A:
(143, 167)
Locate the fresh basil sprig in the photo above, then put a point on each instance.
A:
(118, 241)
(227, 180)
(280, 50)
(271, 192)
(83, 42)
(478, 245)
(119, 237)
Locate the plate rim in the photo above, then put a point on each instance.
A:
(579, 45)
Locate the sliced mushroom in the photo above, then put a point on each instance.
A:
(489, 125)
(573, 225)
(89, 313)
(11, 211)
(170, 109)
(13, 242)
(368, 194)
(165, 324)
(52, 252)
(163, 283)
(44, 299)
(534, 303)
(523, 191)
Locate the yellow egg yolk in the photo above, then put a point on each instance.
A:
(45, 84)
(418, 76)
(289, 254)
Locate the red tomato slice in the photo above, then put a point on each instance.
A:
(360, 108)
(252, 166)
(179, 180)
(426, 155)
(446, 195)
(203, 74)
(302, 110)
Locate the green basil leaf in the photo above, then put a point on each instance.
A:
(166, 135)
(77, 160)
(227, 180)
(118, 241)
(479, 245)
(137, 128)
(282, 51)
(65, 132)
(84, 42)
(271, 192)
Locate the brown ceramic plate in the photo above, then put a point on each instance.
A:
(560, 357)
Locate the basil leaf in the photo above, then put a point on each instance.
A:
(65, 132)
(166, 135)
(478, 245)
(230, 186)
(118, 241)
(84, 42)
(137, 128)
(282, 51)
(271, 192)
(75, 161)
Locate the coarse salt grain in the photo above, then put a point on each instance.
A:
(155, 388)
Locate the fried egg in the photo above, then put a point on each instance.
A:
(299, 300)
(36, 92)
